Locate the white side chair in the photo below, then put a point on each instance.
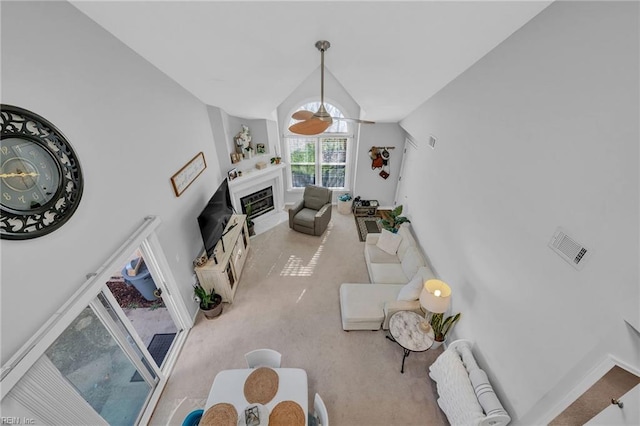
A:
(320, 410)
(263, 358)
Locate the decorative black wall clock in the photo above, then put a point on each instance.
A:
(40, 176)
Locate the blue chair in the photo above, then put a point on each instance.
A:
(193, 418)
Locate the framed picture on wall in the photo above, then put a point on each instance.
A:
(233, 173)
(260, 148)
(187, 174)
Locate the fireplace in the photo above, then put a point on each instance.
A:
(263, 189)
(261, 202)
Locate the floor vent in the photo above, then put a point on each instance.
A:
(567, 248)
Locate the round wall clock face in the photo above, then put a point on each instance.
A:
(40, 176)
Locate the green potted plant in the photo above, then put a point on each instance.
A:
(249, 152)
(392, 220)
(210, 302)
(275, 160)
(250, 223)
(441, 326)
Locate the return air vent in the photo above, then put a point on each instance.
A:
(569, 249)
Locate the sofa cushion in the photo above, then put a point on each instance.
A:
(407, 240)
(411, 291)
(305, 217)
(365, 302)
(389, 242)
(387, 273)
(373, 254)
(315, 197)
(411, 262)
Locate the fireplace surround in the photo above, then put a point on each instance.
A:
(252, 183)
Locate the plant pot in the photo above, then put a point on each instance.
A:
(251, 229)
(214, 311)
(436, 344)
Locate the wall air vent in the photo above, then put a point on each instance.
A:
(567, 248)
(432, 142)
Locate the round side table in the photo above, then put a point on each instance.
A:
(404, 327)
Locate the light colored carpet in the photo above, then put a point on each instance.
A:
(288, 300)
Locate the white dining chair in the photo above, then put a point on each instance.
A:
(263, 358)
(320, 410)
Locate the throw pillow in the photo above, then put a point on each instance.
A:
(389, 242)
(411, 291)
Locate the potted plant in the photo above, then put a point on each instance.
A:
(275, 160)
(392, 220)
(250, 223)
(210, 302)
(441, 326)
(248, 152)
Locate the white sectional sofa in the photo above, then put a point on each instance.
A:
(368, 306)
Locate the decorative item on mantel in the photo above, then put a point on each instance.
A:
(242, 139)
(248, 152)
(261, 165)
(275, 160)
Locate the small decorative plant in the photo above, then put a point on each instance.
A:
(276, 160)
(392, 220)
(441, 325)
(207, 300)
(250, 223)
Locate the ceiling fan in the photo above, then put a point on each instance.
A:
(313, 123)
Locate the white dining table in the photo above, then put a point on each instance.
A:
(228, 386)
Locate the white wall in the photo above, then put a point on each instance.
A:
(132, 128)
(369, 184)
(542, 132)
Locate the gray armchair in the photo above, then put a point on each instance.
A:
(312, 214)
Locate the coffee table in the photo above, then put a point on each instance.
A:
(404, 327)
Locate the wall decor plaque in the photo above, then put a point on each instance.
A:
(187, 174)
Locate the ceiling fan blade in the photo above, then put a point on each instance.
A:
(312, 126)
(354, 120)
(302, 115)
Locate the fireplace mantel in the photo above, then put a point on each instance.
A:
(254, 180)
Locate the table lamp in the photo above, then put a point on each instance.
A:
(434, 299)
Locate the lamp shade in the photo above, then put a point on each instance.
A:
(435, 296)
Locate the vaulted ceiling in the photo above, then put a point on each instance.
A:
(247, 57)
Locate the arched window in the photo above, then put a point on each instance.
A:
(320, 159)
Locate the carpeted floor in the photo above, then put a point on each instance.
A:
(288, 300)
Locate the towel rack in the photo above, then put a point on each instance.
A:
(383, 147)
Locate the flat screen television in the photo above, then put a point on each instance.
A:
(214, 217)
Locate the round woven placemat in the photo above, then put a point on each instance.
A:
(261, 385)
(287, 413)
(221, 414)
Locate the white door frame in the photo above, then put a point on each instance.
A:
(145, 239)
(589, 380)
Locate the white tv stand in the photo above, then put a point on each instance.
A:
(222, 271)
